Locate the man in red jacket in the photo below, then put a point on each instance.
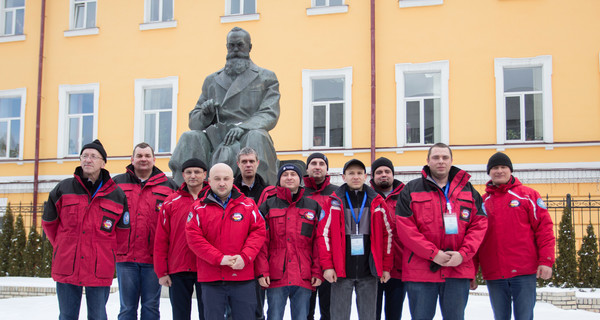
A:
(441, 225)
(355, 244)
(174, 262)
(519, 243)
(226, 232)
(87, 222)
(146, 188)
(382, 172)
(288, 265)
(318, 187)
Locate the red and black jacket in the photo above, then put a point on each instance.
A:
(421, 230)
(319, 193)
(145, 201)
(290, 253)
(391, 200)
(86, 230)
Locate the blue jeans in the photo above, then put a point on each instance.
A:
(180, 294)
(241, 296)
(518, 291)
(394, 299)
(299, 302)
(423, 296)
(69, 301)
(138, 280)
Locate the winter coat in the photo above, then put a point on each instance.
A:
(421, 229)
(145, 201)
(520, 234)
(86, 230)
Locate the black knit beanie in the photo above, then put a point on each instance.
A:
(381, 162)
(194, 162)
(499, 159)
(95, 145)
(287, 167)
(317, 155)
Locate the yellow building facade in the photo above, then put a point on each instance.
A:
(358, 79)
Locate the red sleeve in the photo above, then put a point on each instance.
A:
(324, 236)
(542, 226)
(197, 241)
(256, 235)
(476, 231)
(316, 263)
(261, 265)
(161, 241)
(388, 241)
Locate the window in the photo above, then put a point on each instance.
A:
(12, 111)
(84, 14)
(159, 10)
(419, 3)
(12, 17)
(422, 103)
(327, 3)
(524, 99)
(326, 7)
(156, 113)
(327, 108)
(240, 10)
(78, 117)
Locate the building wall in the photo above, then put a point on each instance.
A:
(287, 40)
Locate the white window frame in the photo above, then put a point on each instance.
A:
(3, 11)
(419, 3)
(443, 67)
(326, 9)
(238, 17)
(63, 108)
(159, 24)
(73, 32)
(21, 93)
(140, 86)
(545, 62)
(307, 104)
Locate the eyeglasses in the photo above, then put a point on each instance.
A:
(92, 157)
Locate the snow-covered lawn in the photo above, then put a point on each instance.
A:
(478, 307)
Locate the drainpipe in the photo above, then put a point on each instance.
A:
(36, 163)
(373, 87)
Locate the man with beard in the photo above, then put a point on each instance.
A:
(382, 172)
(239, 104)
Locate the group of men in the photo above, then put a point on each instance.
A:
(425, 239)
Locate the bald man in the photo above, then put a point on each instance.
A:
(226, 232)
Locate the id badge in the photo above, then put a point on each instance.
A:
(450, 221)
(357, 246)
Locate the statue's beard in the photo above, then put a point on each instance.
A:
(236, 64)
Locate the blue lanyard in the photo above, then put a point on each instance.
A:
(362, 207)
(100, 186)
(448, 206)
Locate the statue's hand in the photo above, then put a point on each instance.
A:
(208, 107)
(233, 135)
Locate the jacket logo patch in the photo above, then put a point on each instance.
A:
(126, 218)
(159, 204)
(309, 216)
(541, 203)
(237, 217)
(107, 224)
(190, 215)
(465, 213)
(515, 203)
(335, 204)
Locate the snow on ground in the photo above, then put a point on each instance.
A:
(478, 307)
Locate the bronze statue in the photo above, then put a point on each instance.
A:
(239, 104)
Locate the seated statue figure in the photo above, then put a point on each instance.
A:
(239, 104)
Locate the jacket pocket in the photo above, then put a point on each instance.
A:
(105, 259)
(69, 212)
(422, 207)
(277, 265)
(277, 222)
(63, 262)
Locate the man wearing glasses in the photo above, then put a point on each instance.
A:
(87, 221)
